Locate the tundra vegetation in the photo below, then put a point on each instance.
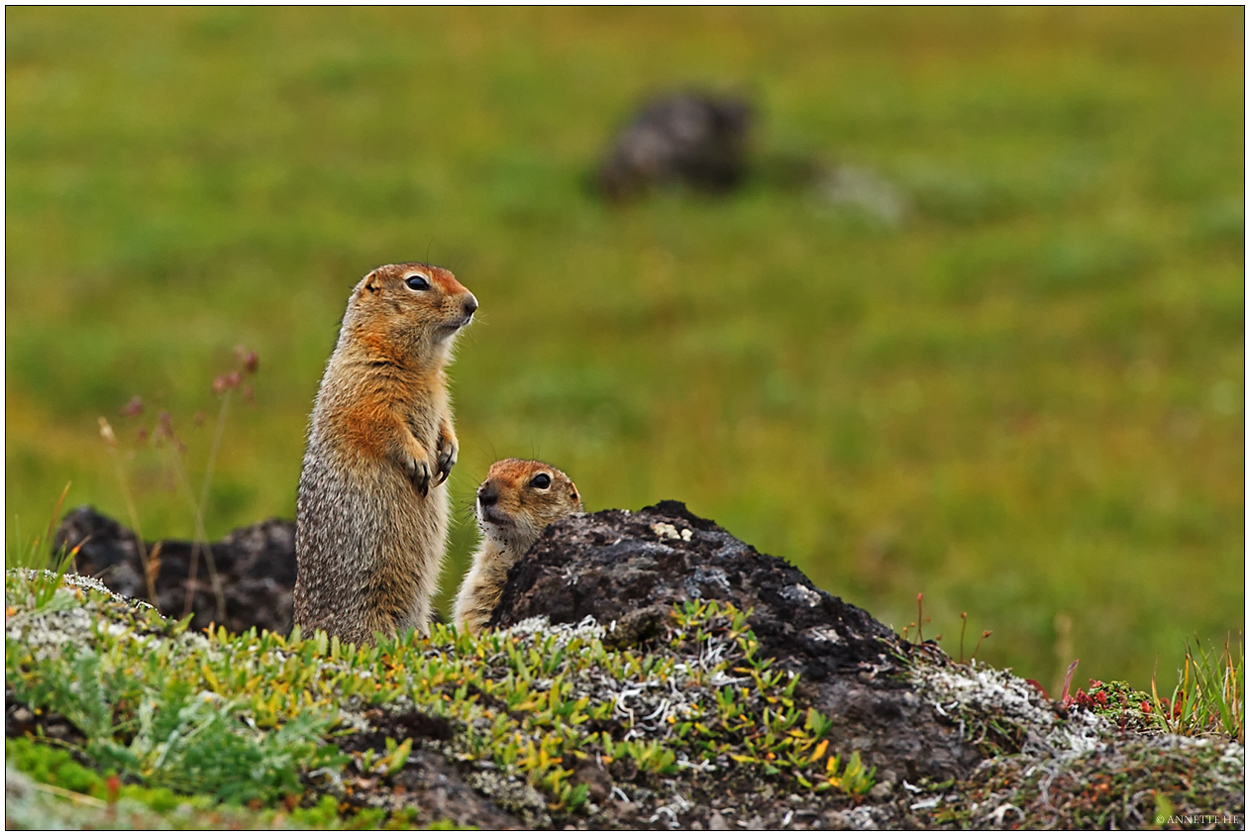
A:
(118, 716)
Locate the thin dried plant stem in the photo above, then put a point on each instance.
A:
(920, 616)
(77, 798)
(200, 541)
(199, 511)
(192, 571)
(984, 635)
(131, 510)
(50, 534)
(56, 513)
(1233, 696)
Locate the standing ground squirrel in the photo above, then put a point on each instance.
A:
(516, 502)
(371, 518)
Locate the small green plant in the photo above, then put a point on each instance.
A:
(88, 798)
(1119, 702)
(46, 583)
(41, 589)
(165, 716)
(55, 766)
(35, 553)
(850, 777)
(1209, 697)
(394, 759)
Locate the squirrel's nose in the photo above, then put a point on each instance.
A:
(487, 495)
(470, 305)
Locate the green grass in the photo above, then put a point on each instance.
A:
(1210, 694)
(1024, 401)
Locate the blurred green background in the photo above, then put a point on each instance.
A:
(1024, 400)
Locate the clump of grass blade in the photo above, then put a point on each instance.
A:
(1210, 694)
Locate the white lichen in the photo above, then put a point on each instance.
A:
(668, 531)
(976, 695)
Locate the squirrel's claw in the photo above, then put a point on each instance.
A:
(447, 451)
(419, 474)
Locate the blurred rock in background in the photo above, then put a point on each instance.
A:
(696, 140)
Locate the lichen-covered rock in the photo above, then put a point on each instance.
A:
(631, 569)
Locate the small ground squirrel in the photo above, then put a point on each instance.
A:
(371, 523)
(516, 502)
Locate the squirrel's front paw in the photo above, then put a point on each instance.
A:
(447, 451)
(420, 475)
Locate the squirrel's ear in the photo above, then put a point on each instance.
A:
(371, 283)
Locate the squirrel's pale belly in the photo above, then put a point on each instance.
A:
(374, 571)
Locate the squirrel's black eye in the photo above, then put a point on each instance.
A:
(417, 282)
(542, 480)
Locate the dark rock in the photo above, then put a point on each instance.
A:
(633, 568)
(255, 567)
(691, 139)
(18, 719)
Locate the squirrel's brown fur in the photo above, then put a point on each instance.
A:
(515, 503)
(372, 510)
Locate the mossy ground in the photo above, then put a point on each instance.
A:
(264, 720)
(138, 722)
(1178, 783)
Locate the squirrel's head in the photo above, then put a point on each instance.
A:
(412, 309)
(520, 498)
